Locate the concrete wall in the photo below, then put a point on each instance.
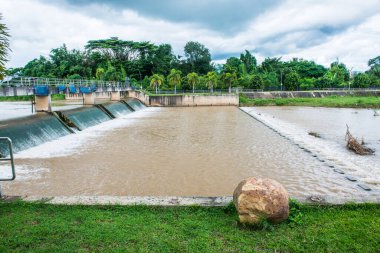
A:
(306, 94)
(185, 100)
(194, 100)
(139, 95)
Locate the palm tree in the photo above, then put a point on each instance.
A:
(228, 79)
(174, 78)
(4, 47)
(156, 80)
(192, 78)
(211, 80)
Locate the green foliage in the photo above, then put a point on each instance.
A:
(362, 80)
(229, 79)
(114, 59)
(156, 81)
(291, 81)
(307, 83)
(198, 57)
(249, 62)
(4, 47)
(174, 78)
(306, 69)
(192, 79)
(211, 80)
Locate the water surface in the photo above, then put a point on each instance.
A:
(195, 151)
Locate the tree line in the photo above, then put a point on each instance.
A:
(156, 67)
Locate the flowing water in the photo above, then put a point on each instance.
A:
(118, 109)
(86, 116)
(191, 151)
(295, 123)
(31, 131)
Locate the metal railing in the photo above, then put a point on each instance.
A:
(32, 81)
(10, 146)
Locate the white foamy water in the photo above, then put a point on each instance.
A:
(72, 143)
(364, 168)
(23, 172)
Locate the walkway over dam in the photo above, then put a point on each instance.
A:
(90, 90)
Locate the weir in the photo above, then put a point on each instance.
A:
(30, 131)
(135, 104)
(86, 117)
(118, 109)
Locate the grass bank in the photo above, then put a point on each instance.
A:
(54, 97)
(185, 94)
(52, 228)
(331, 101)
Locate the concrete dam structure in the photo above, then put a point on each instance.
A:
(30, 131)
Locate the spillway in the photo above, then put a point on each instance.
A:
(86, 117)
(118, 109)
(31, 131)
(135, 104)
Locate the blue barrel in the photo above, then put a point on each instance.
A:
(94, 87)
(41, 90)
(61, 87)
(84, 90)
(72, 88)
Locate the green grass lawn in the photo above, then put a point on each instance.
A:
(55, 228)
(331, 101)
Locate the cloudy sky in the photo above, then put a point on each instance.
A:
(320, 30)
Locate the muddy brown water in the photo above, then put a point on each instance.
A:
(198, 151)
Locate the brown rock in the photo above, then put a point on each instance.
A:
(256, 199)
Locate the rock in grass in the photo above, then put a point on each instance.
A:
(258, 199)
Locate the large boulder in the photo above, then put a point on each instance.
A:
(257, 199)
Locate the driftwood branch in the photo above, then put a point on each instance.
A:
(354, 145)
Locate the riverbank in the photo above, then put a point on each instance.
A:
(331, 101)
(44, 227)
(54, 97)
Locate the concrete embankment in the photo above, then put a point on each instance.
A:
(311, 94)
(186, 100)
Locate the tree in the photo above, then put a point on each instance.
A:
(291, 80)
(374, 65)
(156, 81)
(306, 69)
(162, 59)
(233, 64)
(174, 78)
(338, 74)
(112, 74)
(198, 56)
(192, 79)
(362, 80)
(211, 80)
(99, 73)
(4, 48)
(271, 65)
(228, 79)
(256, 82)
(249, 62)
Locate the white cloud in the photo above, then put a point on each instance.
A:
(319, 30)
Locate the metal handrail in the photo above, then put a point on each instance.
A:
(9, 159)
